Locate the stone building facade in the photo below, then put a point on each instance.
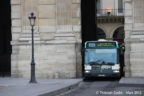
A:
(110, 22)
(134, 36)
(57, 38)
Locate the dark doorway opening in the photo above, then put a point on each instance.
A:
(119, 36)
(89, 24)
(5, 38)
(100, 34)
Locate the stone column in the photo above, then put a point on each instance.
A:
(47, 19)
(137, 35)
(76, 28)
(16, 30)
(128, 29)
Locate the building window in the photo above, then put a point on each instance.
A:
(120, 6)
(98, 7)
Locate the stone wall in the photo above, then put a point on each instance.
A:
(128, 29)
(134, 34)
(57, 38)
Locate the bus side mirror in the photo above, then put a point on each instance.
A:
(122, 50)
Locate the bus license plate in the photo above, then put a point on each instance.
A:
(105, 67)
(101, 75)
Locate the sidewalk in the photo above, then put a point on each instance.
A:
(44, 87)
(131, 80)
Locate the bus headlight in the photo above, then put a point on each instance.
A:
(88, 67)
(87, 71)
(116, 71)
(116, 67)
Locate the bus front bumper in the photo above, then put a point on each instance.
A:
(101, 74)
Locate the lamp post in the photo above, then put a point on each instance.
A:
(32, 19)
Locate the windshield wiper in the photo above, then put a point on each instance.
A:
(98, 62)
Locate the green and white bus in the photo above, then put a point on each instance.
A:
(101, 59)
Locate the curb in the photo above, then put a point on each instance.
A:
(62, 90)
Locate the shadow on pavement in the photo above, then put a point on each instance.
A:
(93, 79)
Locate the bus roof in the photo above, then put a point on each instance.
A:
(102, 41)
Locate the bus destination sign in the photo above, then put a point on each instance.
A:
(101, 44)
(106, 44)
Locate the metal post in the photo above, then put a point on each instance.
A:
(33, 79)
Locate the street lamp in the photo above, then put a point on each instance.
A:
(108, 11)
(32, 19)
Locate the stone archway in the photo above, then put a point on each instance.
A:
(5, 38)
(119, 35)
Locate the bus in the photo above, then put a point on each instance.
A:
(101, 59)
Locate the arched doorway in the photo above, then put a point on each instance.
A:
(5, 38)
(119, 36)
(100, 34)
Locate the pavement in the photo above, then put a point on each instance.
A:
(131, 80)
(43, 87)
(47, 87)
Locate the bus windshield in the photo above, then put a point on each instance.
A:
(101, 56)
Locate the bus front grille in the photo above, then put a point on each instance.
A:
(96, 67)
